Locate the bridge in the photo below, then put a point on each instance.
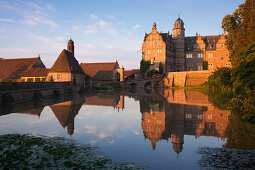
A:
(145, 83)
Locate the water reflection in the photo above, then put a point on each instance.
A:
(181, 113)
(147, 127)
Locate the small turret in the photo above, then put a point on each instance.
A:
(70, 46)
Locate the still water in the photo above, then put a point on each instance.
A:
(162, 130)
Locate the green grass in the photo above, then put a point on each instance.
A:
(106, 87)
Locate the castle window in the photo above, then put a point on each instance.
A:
(221, 57)
(188, 55)
(200, 55)
(222, 46)
(209, 116)
(200, 116)
(226, 54)
(158, 43)
(159, 51)
(148, 51)
(210, 55)
(188, 116)
(58, 76)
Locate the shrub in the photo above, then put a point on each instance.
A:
(144, 66)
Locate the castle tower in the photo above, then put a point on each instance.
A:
(70, 46)
(178, 40)
(179, 30)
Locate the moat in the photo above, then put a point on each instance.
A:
(162, 130)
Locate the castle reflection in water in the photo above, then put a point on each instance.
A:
(169, 115)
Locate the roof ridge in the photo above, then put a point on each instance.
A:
(19, 58)
(101, 63)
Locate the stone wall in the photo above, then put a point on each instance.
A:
(186, 78)
(31, 95)
(31, 85)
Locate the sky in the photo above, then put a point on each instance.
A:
(102, 30)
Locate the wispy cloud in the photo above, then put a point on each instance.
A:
(38, 19)
(93, 16)
(7, 20)
(90, 29)
(136, 26)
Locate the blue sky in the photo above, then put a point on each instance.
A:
(102, 30)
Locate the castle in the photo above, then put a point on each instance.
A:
(179, 53)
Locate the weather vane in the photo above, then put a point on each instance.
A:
(70, 35)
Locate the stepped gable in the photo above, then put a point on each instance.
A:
(210, 42)
(12, 68)
(165, 36)
(38, 72)
(91, 69)
(66, 62)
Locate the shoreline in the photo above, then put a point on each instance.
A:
(226, 158)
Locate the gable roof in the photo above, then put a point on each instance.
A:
(165, 36)
(66, 111)
(37, 72)
(128, 73)
(12, 68)
(210, 42)
(92, 68)
(103, 75)
(66, 62)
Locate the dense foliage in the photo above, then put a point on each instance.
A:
(161, 68)
(205, 65)
(240, 26)
(234, 88)
(144, 66)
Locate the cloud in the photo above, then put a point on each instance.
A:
(102, 23)
(40, 38)
(90, 29)
(7, 20)
(136, 26)
(37, 19)
(93, 16)
(112, 32)
(60, 38)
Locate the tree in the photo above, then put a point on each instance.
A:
(205, 65)
(161, 68)
(144, 66)
(240, 26)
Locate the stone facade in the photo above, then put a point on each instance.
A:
(179, 53)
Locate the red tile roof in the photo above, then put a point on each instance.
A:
(66, 62)
(131, 72)
(12, 68)
(38, 72)
(92, 68)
